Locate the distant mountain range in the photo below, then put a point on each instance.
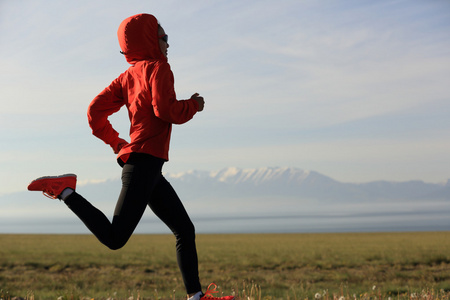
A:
(294, 182)
(256, 200)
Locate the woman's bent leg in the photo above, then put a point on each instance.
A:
(139, 177)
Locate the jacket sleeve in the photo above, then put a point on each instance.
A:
(109, 101)
(165, 104)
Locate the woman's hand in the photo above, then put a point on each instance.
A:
(200, 101)
(120, 144)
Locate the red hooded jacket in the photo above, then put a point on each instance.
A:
(147, 90)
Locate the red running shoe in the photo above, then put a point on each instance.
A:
(52, 186)
(208, 295)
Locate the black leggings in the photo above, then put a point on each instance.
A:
(143, 184)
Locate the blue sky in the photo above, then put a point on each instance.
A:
(356, 90)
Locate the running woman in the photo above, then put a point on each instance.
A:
(147, 90)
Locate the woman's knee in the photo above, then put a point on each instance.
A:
(187, 232)
(116, 243)
(115, 246)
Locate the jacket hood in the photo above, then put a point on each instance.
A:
(138, 38)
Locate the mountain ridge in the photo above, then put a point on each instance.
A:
(298, 182)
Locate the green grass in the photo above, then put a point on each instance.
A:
(259, 266)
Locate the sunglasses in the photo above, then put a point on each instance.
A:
(164, 37)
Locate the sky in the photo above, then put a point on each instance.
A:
(355, 90)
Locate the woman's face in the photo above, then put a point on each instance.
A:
(162, 44)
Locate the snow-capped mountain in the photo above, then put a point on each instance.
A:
(255, 177)
(301, 184)
(260, 176)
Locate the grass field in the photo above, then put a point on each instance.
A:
(259, 266)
